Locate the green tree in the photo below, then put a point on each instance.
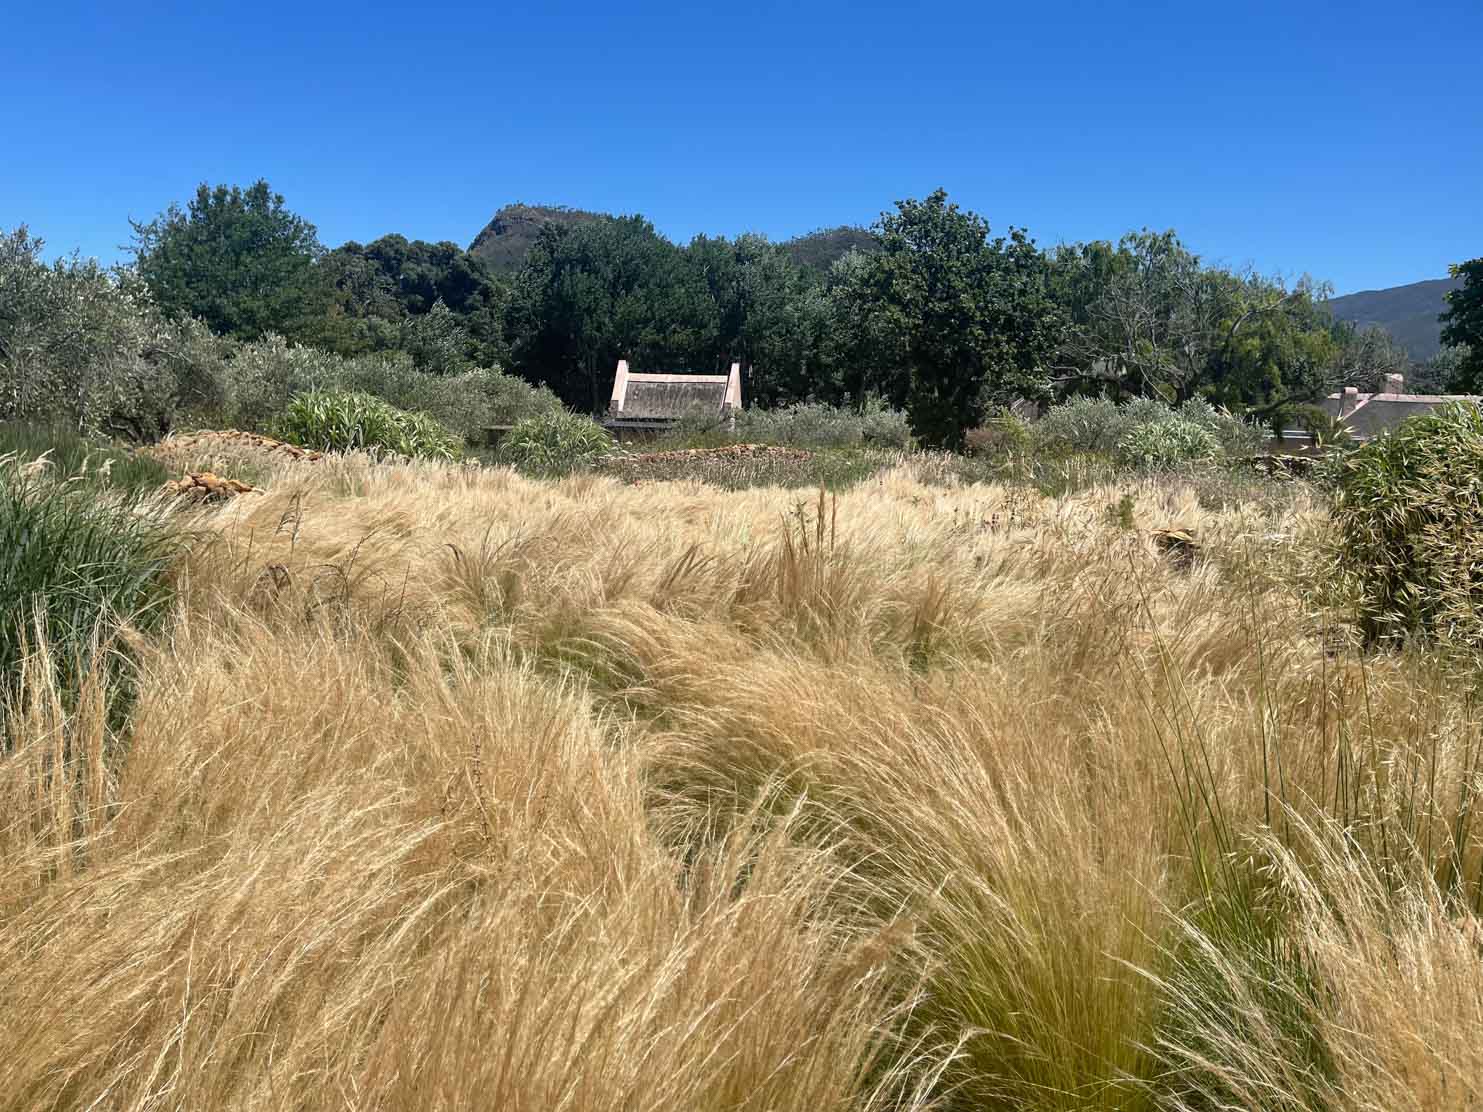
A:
(1148, 318)
(386, 287)
(1462, 327)
(592, 294)
(770, 317)
(862, 352)
(1443, 372)
(1274, 348)
(238, 260)
(84, 346)
(975, 314)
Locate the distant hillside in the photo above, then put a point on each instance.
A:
(818, 250)
(506, 239)
(1408, 313)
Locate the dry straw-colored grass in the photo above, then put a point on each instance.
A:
(445, 788)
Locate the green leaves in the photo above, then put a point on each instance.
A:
(555, 444)
(976, 315)
(1409, 512)
(1462, 326)
(238, 260)
(349, 422)
(1167, 444)
(75, 563)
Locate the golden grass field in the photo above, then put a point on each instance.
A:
(449, 789)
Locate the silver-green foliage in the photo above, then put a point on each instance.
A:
(816, 425)
(553, 444)
(265, 375)
(346, 421)
(1167, 444)
(88, 348)
(1409, 515)
(80, 345)
(1102, 426)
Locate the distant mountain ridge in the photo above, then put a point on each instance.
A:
(505, 241)
(1409, 313)
(819, 250)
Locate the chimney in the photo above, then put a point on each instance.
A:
(620, 388)
(1395, 384)
(1349, 401)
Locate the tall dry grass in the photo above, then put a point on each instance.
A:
(446, 788)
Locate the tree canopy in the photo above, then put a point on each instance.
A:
(237, 259)
(926, 310)
(975, 315)
(1462, 327)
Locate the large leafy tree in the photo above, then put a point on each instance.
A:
(975, 315)
(421, 297)
(770, 317)
(1274, 349)
(1462, 328)
(865, 355)
(237, 259)
(592, 294)
(1148, 317)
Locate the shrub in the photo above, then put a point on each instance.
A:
(1236, 437)
(1085, 425)
(1409, 516)
(1102, 426)
(1167, 443)
(511, 399)
(816, 425)
(266, 376)
(884, 427)
(554, 444)
(73, 563)
(1001, 436)
(343, 422)
(76, 343)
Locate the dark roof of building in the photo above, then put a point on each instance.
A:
(670, 398)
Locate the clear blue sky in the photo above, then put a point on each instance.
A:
(1343, 139)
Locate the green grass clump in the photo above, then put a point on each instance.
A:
(335, 421)
(1167, 444)
(68, 455)
(554, 444)
(72, 564)
(1409, 518)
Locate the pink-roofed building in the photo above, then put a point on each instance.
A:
(1368, 415)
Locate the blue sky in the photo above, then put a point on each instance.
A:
(1340, 139)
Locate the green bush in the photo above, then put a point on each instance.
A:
(267, 375)
(815, 425)
(1101, 426)
(343, 422)
(73, 562)
(997, 438)
(1167, 443)
(555, 444)
(1409, 516)
(81, 345)
(66, 455)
